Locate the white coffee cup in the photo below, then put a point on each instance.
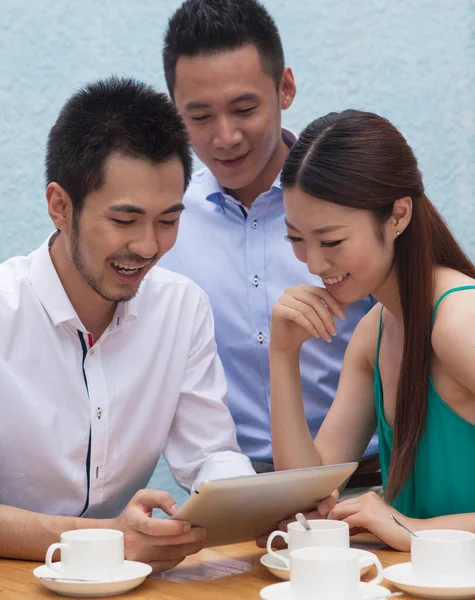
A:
(323, 532)
(90, 554)
(328, 573)
(443, 555)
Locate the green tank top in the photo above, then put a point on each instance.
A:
(442, 481)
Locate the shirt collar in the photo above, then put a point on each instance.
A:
(214, 191)
(53, 297)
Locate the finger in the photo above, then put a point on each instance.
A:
(150, 499)
(356, 521)
(324, 295)
(312, 515)
(145, 548)
(323, 310)
(160, 566)
(277, 542)
(327, 505)
(144, 552)
(285, 312)
(355, 500)
(157, 527)
(283, 524)
(167, 553)
(197, 534)
(261, 541)
(344, 510)
(313, 316)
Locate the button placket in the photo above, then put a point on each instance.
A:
(255, 263)
(99, 421)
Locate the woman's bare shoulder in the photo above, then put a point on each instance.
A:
(454, 322)
(365, 336)
(457, 304)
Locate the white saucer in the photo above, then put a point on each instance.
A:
(283, 591)
(132, 575)
(402, 577)
(277, 568)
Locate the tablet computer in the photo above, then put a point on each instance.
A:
(240, 509)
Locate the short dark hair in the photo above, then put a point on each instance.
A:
(208, 26)
(113, 115)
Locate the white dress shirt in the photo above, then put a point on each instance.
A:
(83, 426)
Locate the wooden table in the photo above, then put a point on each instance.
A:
(225, 573)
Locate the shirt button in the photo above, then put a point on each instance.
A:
(255, 224)
(91, 351)
(260, 338)
(99, 413)
(256, 280)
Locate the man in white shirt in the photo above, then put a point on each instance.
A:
(105, 363)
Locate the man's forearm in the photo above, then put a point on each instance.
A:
(27, 535)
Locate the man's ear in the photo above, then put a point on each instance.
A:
(60, 207)
(287, 88)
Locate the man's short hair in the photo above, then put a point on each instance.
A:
(209, 26)
(115, 115)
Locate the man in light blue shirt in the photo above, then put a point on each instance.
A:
(224, 67)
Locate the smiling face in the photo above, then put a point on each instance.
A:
(344, 246)
(127, 225)
(232, 111)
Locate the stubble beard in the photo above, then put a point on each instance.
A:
(93, 282)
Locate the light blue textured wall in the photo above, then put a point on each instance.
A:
(411, 60)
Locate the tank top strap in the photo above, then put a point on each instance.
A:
(455, 289)
(380, 328)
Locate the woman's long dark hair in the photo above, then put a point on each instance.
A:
(360, 160)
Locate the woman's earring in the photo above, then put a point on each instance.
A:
(398, 233)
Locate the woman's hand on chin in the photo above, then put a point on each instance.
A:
(301, 313)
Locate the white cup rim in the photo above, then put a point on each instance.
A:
(443, 535)
(323, 525)
(91, 535)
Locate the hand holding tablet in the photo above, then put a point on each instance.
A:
(240, 509)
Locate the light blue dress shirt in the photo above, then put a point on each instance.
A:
(241, 259)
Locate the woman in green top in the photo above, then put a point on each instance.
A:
(357, 214)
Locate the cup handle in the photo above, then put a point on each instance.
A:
(49, 558)
(379, 577)
(270, 539)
